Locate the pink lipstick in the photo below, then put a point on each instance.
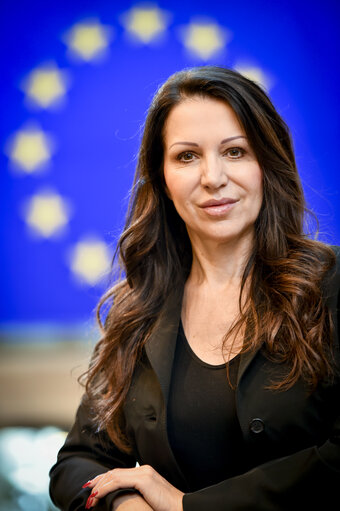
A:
(218, 207)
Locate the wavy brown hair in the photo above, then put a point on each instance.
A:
(284, 308)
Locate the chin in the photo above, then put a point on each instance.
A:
(228, 235)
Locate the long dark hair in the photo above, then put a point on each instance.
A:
(284, 309)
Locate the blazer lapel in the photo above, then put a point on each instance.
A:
(245, 360)
(161, 345)
(160, 349)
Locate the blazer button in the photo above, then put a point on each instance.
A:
(256, 426)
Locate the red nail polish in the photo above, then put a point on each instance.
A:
(86, 484)
(93, 494)
(88, 503)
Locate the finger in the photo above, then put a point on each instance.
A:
(113, 480)
(91, 501)
(92, 482)
(89, 484)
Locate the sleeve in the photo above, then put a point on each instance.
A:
(307, 479)
(85, 454)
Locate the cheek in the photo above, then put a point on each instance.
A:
(255, 183)
(177, 186)
(176, 192)
(249, 182)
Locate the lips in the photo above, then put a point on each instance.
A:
(218, 208)
(217, 202)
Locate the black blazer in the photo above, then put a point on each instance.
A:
(292, 439)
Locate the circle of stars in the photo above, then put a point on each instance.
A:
(30, 149)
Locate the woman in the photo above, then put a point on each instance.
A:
(217, 370)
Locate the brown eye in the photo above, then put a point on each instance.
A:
(235, 152)
(187, 156)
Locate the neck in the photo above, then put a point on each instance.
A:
(219, 264)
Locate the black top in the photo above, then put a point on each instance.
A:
(203, 428)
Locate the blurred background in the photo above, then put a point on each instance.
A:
(76, 79)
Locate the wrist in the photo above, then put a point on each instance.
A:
(127, 500)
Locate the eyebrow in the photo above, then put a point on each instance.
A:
(196, 145)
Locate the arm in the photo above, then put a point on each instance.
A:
(308, 479)
(156, 491)
(130, 502)
(85, 454)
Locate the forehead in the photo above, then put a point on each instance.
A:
(200, 116)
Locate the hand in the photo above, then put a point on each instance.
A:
(156, 490)
(130, 502)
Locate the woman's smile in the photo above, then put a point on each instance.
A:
(218, 208)
(210, 171)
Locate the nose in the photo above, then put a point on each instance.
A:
(213, 172)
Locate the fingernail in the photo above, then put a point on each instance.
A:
(93, 494)
(86, 484)
(88, 503)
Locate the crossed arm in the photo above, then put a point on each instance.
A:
(155, 492)
(312, 474)
(84, 466)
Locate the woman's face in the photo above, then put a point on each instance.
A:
(211, 174)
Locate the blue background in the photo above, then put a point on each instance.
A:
(97, 131)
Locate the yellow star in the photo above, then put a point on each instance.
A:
(90, 260)
(89, 39)
(256, 74)
(47, 213)
(45, 86)
(205, 38)
(146, 23)
(30, 149)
